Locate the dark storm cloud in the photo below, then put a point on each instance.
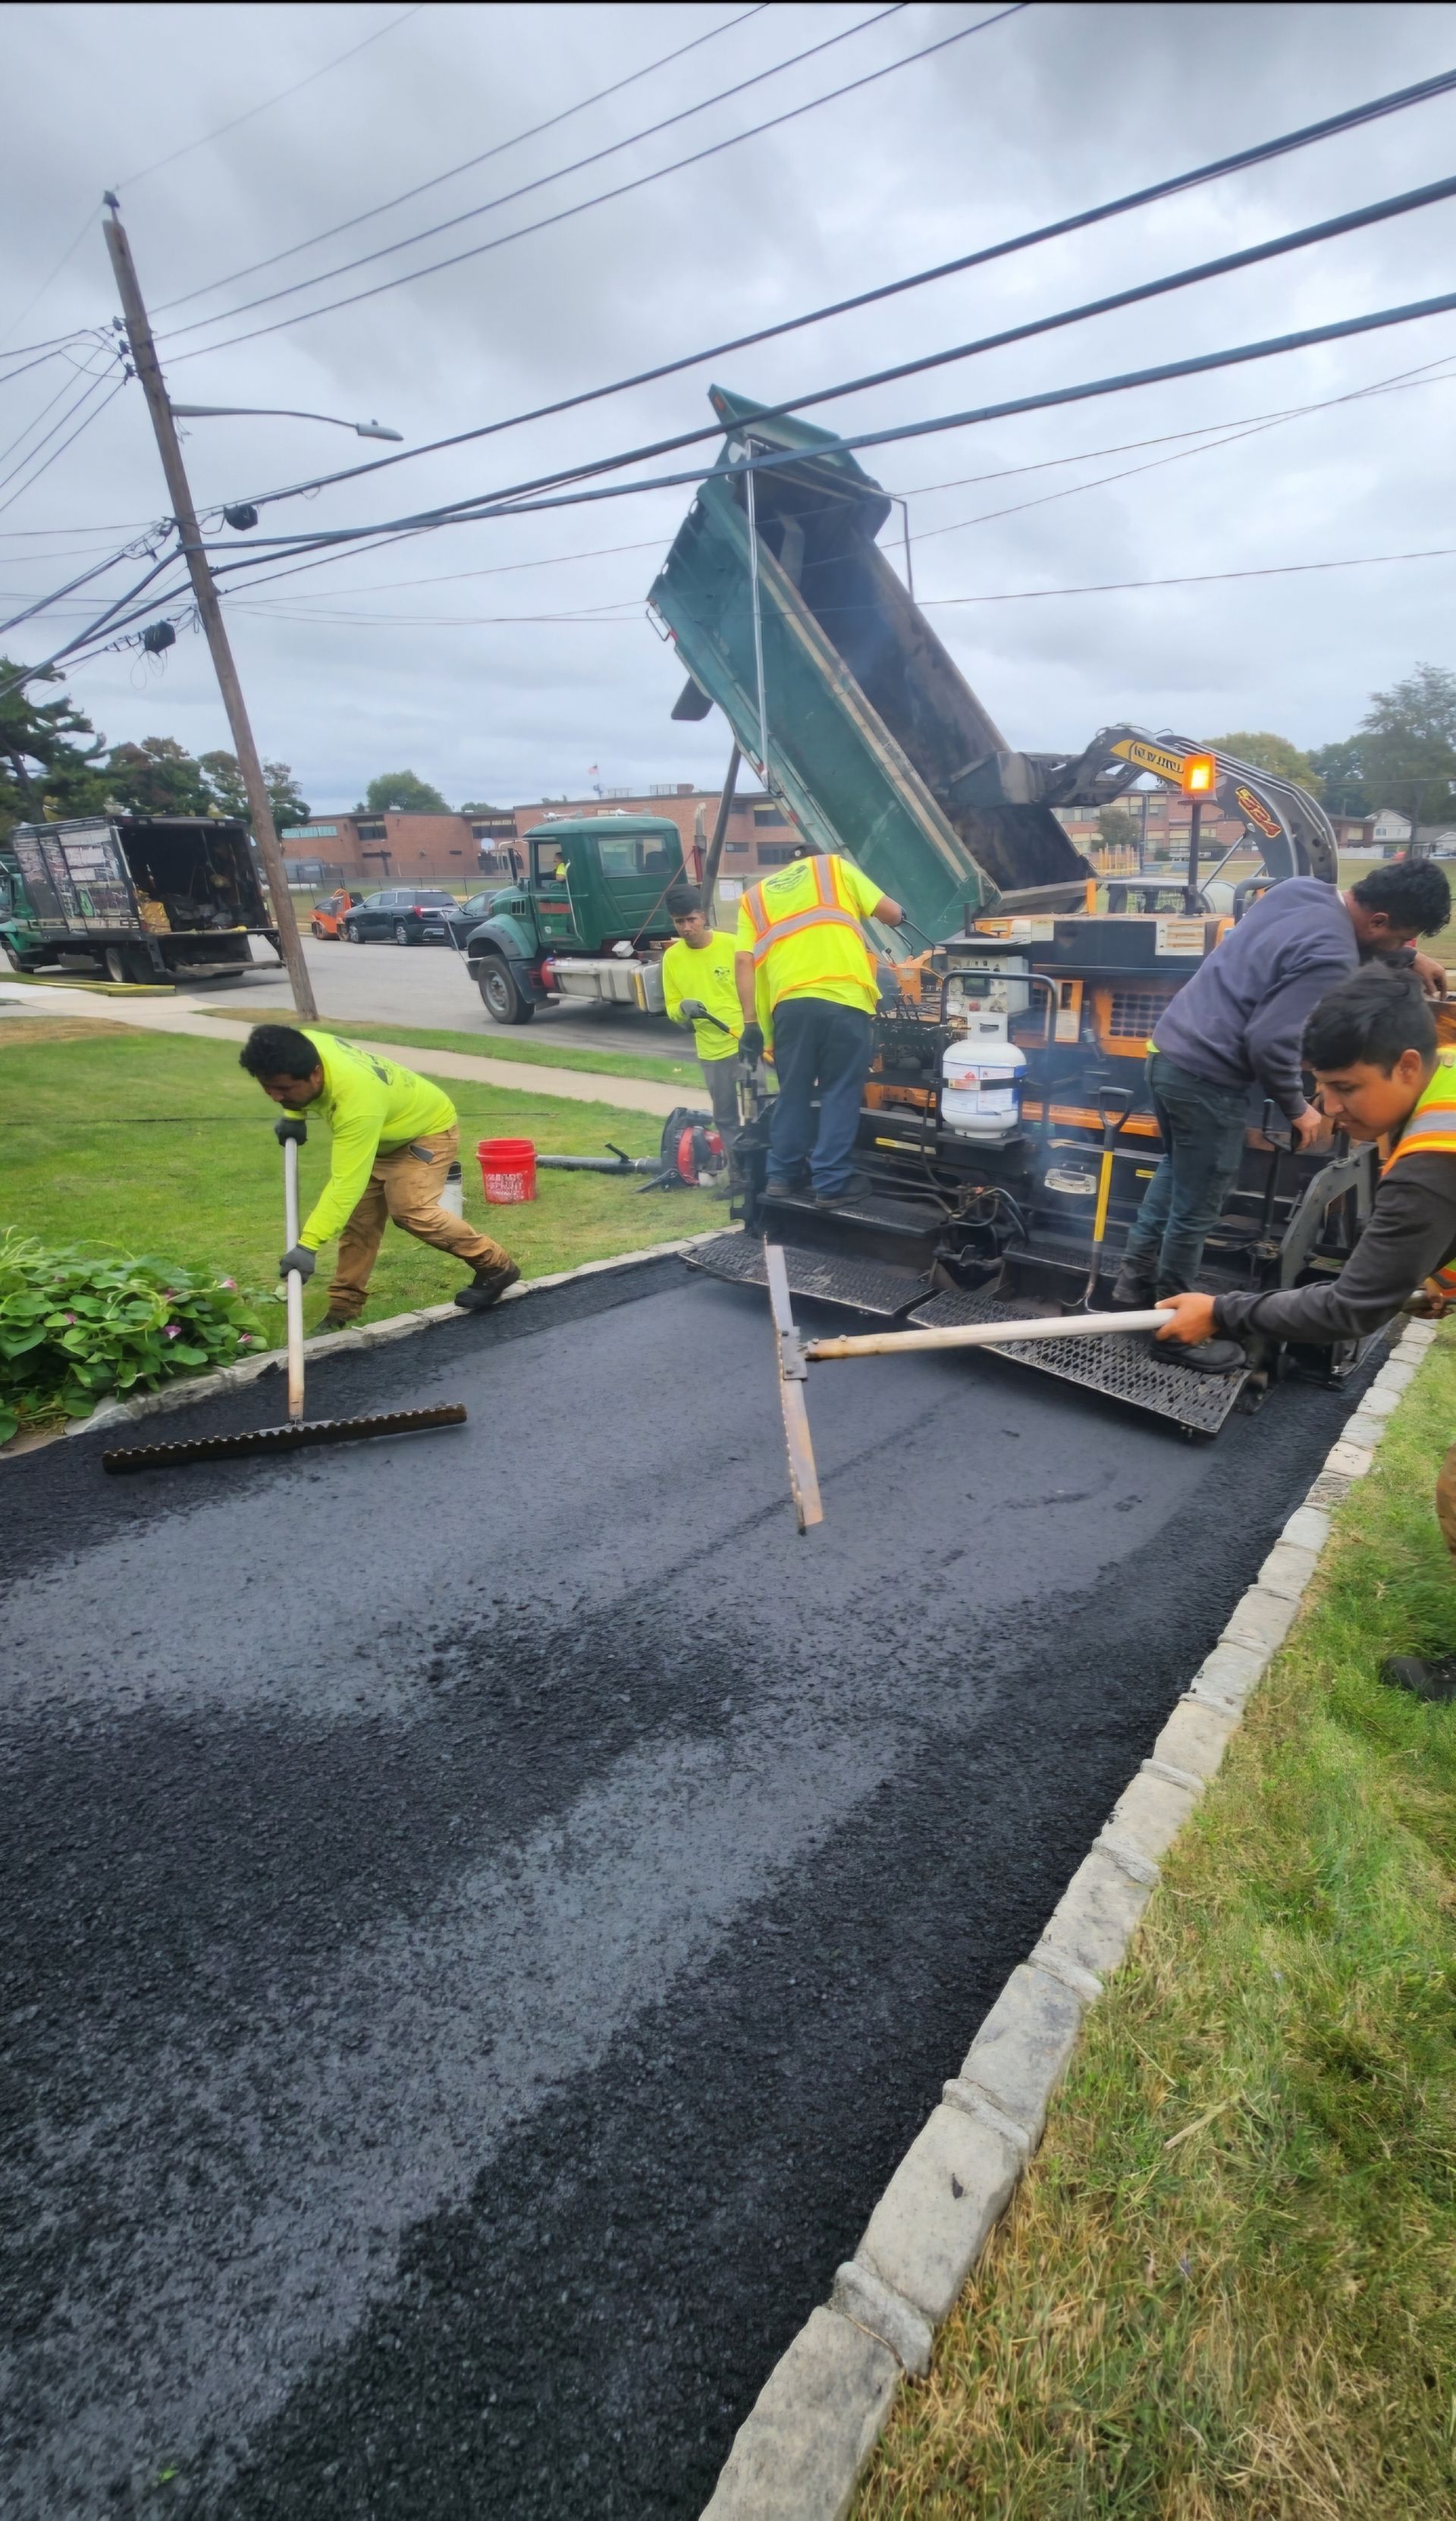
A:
(1057, 108)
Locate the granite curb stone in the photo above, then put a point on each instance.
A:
(932, 2218)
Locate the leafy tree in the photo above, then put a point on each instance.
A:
(1341, 771)
(1119, 828)
(227, 794)
(158, 776)
(478, 805)
(400, 792)
(1273, 752)
(1408, 736)
(44, 772)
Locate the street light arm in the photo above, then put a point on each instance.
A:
(244, 411)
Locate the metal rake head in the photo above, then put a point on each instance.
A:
(284, 1440)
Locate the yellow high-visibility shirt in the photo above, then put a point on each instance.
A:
(372, 1105)
(705, 972)
(802, 925)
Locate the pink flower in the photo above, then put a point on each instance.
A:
(171, 1330)
(230, 1283)
(73, 1318)
(245, 1339)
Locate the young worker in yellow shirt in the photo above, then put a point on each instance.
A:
(396, 1137)
(806, 986)
(700, 990)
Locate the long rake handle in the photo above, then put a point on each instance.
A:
(982, 1335)
(294, 1286)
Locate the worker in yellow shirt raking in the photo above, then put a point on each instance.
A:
(701, 988)
(806, 986)
(396, 1137)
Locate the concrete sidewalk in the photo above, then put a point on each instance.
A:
(171, 1015)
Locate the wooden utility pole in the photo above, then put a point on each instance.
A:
(144, 360)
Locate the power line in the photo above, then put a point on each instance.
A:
(1215, 433)
(592, 614)
(1374, 110)
(1204, 577)
(509, 504)
(37, 419)
(82, 232)
(616, 193)
(612, 149)
(515, 142)
(269, 102)
(60, 451)
(519, 494)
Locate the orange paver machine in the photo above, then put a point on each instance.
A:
(1006, 1128)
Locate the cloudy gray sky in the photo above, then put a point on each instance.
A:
(502, 660)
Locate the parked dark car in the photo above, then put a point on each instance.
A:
(468, 915)
(405, 916)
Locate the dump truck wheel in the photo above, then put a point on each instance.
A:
(124, 963)
(504, 1003)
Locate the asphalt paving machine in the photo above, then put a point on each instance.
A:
(1006, 1128)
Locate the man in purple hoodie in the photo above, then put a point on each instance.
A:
(1238, 1024)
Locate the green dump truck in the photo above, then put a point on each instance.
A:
(141, 898)
(587, 919)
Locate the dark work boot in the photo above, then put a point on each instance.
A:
(487, 1288)
(1433, 1681)
(1132, 1294)
(854, 1188)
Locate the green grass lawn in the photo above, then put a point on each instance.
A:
(1227, 2288)
(499, 1042)
(151, 1142)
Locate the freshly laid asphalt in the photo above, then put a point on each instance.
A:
(485, 1913)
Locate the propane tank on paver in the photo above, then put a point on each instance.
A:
(980, 1081)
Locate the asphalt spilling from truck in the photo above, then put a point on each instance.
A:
(487, 1912)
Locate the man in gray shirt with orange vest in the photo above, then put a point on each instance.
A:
(1237, 1024)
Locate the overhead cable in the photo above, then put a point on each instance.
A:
(268, 102)
(431, 183)
(1215, 434)
(612, 149)
(616, 193)
(1374, 110)
(594, 616)
(516, 504)
(1347, 222)
(57, 452)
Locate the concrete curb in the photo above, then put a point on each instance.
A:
(798, 2452)
(112, 1414)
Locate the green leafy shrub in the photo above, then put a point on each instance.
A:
(78, 1326)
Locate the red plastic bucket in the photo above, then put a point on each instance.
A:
(507, 1169)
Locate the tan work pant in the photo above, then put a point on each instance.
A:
(1445, 1501)
(406, 1185)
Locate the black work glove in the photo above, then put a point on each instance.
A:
(291, 1124)
(751, 1044)
(690, 1007)
(299, 1257)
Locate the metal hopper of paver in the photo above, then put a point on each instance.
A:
(1006, 1126)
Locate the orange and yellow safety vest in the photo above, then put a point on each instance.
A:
(1430, 1130)
(802, 925)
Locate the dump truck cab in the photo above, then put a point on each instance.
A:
(587, 919)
